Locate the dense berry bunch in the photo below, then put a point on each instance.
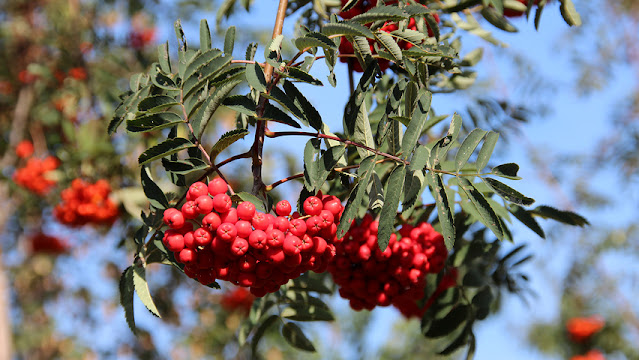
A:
(581, 329)
(346, 47)
(33, 176)
(86, 203)
(42, 243)
(409, 303)
(369, 277)
(247, 247)
(238, 299)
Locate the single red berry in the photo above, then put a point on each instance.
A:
(283, 208)
(189, 240)
(217, 186)
(275, 255)
(281, 223)
(211, 222)
(257, 239)
(292, 245)
(260, 221)
(313, 225)
(189, 210)
(173, 218)
(297, 227)
(244, 229)
(187, 257)
(327, 218)
(364, 253)
(222, 203)
(204, 204)
(312, 205)
(245, 210)
(239, 247)
(230, 216)
(334, 206)
(246, 279)
(274, 238)
(319, 245)
(247, 263)
(227, 232)
(307, 243)
(293, 261)
(202, 237)
(196, 190)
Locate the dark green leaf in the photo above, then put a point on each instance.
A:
(294, 335)
(482, 302)
(327, 162)
(392, 196)
(315, 39)
(261, 329)
(460, 340)
(366, 169)
(163, 81)
(563, 216)
(227, 140)
(241, 104)
(272, 113)
(204, 115)
(508, 193)
(286, 102)
(127, 290)
(184, 167)
(165, 148)
(164, 59)
(438, 154)
(448, 324)
(485, 211)
(467, 147)
(486, 150)
(142, 289)
(526, 218)
(312, 115)
(416, 125)
(152, 191)
(200, 61)
(388, 42)
(508, 171)
(205, 35)
(255, 77)
(306, 282)
(251, 49)
(311, 168)
(569, 13)
(153, 122)
(444, 211)
(299, 75)
(204, 74)
(362, 133)
(229, 41)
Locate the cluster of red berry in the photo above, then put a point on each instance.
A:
(247, 247)
(33, 175)
(346, 47)
(85, 203)
(369, 277)
(42, 243)
(590, 355)
(238, 299)
(581, 329)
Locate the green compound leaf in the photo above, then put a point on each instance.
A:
(204, 75)
(444, 212)
(508, 193)
(381, 13)
(449, 323)
(184, 167)
(152, 190)
(508, 171)
(261, 329)
(205, 35)
(308, 111)
(315, 39)
(563, 216)
(486, 150)
(241, 104)
(227, 140)
(142, 289)
(438, 154)
(527, 219)
(467, 147)
(486, 213)
(153, 122)
(200, 61)
(388, 42)
(364, 173)
(163, 58)
(127, 289)
(307, 312)
(294, 335)
(311, 168)
(392, 196)
(327, 162)
(165, 148)
(157, 103)
(299, 75)
(417, 122)
(286, 102)
(205, 112)
(255, 77)
(347, 28)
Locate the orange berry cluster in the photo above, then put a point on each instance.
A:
(238, 299)
(85, 203)
(247, 247)
(369, 277)
(346, 47)
(42, 243)
(581, 329)
(32, 175)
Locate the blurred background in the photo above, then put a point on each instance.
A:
(565, 101)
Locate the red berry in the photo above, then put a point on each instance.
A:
(187, 257)
(297, 227)
(196, 190)
(313, 225)
(319, 245)
(227, 232)
(283, 208)
(263, 270)
(204, 204)
(292, 245)
(202, 237)
(257, 239)
(222, 203)
(245, 210)
(189, 210)
(246, 279)
(230, 216)
(244, 229)
(173, 218)
(260, 221)
(247, 263)
(312, 205)
(281, 223)
(275, 255)
(274, 238)
(189, 240)
(211, 222)
(239, 246)
(334, 206)
(326, 218)
(217, 186)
